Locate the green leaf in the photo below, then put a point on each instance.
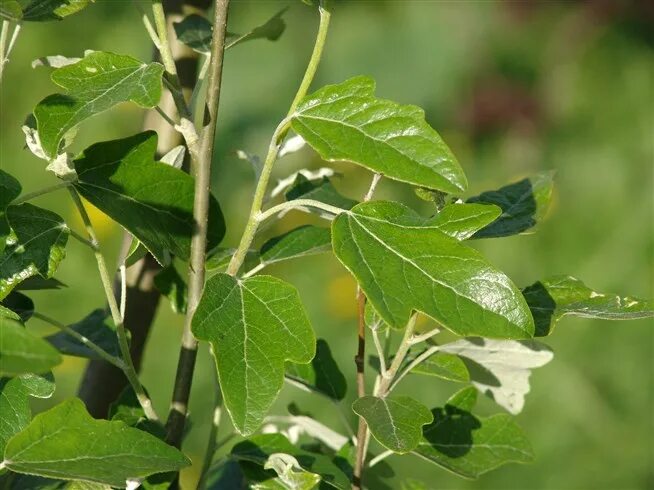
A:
(92, 327)
(523, 204)
(257, 449)
(20, 305)
(66, 442)
(271, 30)
(461, 221)
(226, 476)
(403, 264)
(299, 242)
(464, 399)
(395, 421)
(444, 366)
(152, 200)
(38, 283)
(31, 482)
(40, 10)
(9, 190)
(500, 369)
(470, 446)
(22, 352)
(219, 258)
(36, 246)
(290, 475)
(95, 84)
(169, 283)
(322, 375)
(347, 122)
(553, 298)
(39, 385)
(254, 325)
(319, 190)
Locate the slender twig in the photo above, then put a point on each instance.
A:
(416, 339)
(380, 457)
(188, 352)
(81, 338)
(401, 353)
(213, 438)
(82, 240)
(380, 351)
(123, 290)
(5, 50)
(298, 203)
(129, 370)
(254, 270)
(149, 27)
(425, 355)
(165, 116)
(273, 148)
(41, 192)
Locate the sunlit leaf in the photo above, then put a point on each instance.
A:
(40, 10)
(347, 122)
(444, 366)
(403, 264)
(553, 298)
(290, 475)
(254, 325)
(299, 242)
(461, 221)
(21, 351)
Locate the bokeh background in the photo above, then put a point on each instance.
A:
(514, 88)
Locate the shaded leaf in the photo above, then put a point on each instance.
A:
(322, 375)
(444, 366)
(523, 205)
(36, 246)
(92, 327)
(347, 122)
(66, 442)
(553, 298)
(395, 421)
(31, 482)
(290, 475)
(226, 476)
(172, 285)
(461, 221)
(257, 449)
(470, 446)
(405, 265)
(299, 242)
(500, 369)
(9, 190)
(20, 305)
(153, 201)
(272, 30)
(22, 352)
(38, 283)
(95, 84)
(319, 190)
(40, 10)
(253, 325)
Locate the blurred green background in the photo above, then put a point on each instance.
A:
(514, 88)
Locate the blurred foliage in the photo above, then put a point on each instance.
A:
(514, 88)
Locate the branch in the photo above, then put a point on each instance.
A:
(298, 203)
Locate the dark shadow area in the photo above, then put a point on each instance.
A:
(542, 306)
(322, 374)
(451, 431)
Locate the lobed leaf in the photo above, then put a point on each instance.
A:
(95, 84)
(322, 374)
(404, 264)
(254, 325)
(153, 201)
(523, 205)
(21, 351)
(65, 442)
(347, 122)
(551, 299)
(395, 421)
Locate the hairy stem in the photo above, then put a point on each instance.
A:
(273, 149)
(188, 352)
(129, 370)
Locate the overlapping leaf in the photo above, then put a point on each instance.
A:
(21, 351)
(20, 306)
(299, 242)
(40, 10)
(347, 122)
(92, 327)
(254, 325)
(461, 221)
(523, 204)
(444, 366)
(405, 265)
(395, 421)
(66, 442)
(9, 190)
(553, 298)
(172, 285)
(322, 374)
(96, 83)
(153, 201)
(319, 190)
(468, 445)
(501, 368)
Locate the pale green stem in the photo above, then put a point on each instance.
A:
(402, 350)
(165, 116)
(380, 351)
(81, 338)
(380, 457)
(6, 50)
(82, 240)
(41, 192)
(416, 339)
(105, 278)
(212, 444)
(273, 148)
(425, 355)
(299, 203)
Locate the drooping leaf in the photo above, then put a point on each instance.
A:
(500, 369)
(322, 375)
(444, 366)
(21, 351)
(313, 175)
(95, 84)
(92, 327)
(301, 423)
(405, 265)
(38, 283)
(66, 442)
(153, 201)
(172, 285)
(523, 204)
(553, 298)
(347, 122)
(40, 10)
(461, 221)
(319, 190)
(257, 449)
(36, 246)
(19, 304)
(271, 30)
(299, 242)
(395, 421)
(254, 325)
(470, 446)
